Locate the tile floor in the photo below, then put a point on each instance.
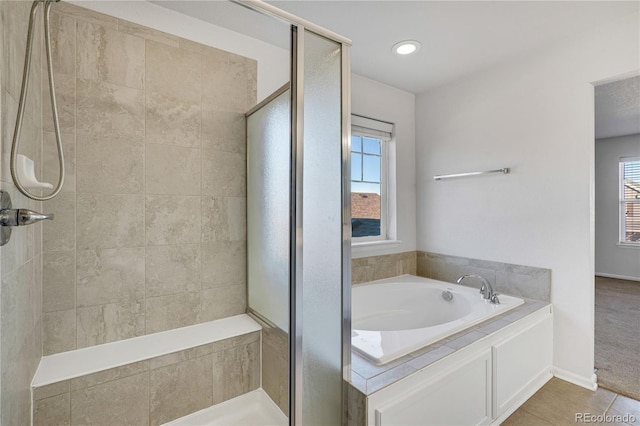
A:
(558, 402)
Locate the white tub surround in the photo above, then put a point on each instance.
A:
(489, 370)
(396, 316)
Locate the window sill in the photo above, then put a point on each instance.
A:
(629, 245)
(391, 243)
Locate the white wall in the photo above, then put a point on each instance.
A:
(611, 259)
(273, 61)
(535, 114)
(372, 99)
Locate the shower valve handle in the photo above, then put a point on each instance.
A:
(21, 217)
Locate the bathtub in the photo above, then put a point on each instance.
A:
(396, 316)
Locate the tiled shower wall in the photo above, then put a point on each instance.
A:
(21, 258)
(150, 229)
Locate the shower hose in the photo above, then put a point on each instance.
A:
(23, 95)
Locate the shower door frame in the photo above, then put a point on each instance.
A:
(299, 27)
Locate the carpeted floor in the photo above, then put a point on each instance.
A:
(617, 335)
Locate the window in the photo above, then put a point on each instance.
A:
(370, 140)
(630, 201)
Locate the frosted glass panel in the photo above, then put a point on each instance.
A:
(322, 234)
(268, 176)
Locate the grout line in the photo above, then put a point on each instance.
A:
(606, 410)
(144, 191)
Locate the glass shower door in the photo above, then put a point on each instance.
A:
(298, 255)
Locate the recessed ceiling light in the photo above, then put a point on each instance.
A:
(406, 47)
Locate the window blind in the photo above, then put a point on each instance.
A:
(369, 127)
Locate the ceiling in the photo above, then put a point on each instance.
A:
(618, 108)
(458, 37)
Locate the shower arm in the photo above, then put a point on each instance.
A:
(23, 95)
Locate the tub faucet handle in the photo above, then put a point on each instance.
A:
(494, 299)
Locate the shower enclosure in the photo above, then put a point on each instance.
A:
(298, 223)
(184, 208)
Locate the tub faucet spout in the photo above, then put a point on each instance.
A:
(485, 289)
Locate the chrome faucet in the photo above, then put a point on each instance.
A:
(486, 290)
(10, 217)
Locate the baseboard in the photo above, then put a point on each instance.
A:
(618, 277)
(590, 383)
(523, 395)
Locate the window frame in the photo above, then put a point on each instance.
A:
(623, 203)
(359, 128)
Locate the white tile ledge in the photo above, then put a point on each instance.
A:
(81, 362)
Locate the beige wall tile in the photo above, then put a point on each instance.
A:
(110, 165)
(21, 285)
(356, 410)
(173, 311)
(147, 33)
(172, 219)
(53, 411)
(224, 174)
(60, 234)
(172, 121)
(180, 389)
(140, 93)
(422, 265)
(31, 137)
(236, 371)
(252, 82)
(17, 251)
(65, 102)
(85, 14)
(224, 264)
(8, 111)
(109, 275)
(58, 331)
(222, 302)
(109, 56)
(106, 110)
(110, 322)
(524, 281)
(173, 72)
(172, 269)
(59, 281)
(223, 130)
(181, 356)
(19, 317)
(361, 274)
(224, 219)
(120, 402)
(110, 221)
(172, 170)
(109, 375)
(275, 367)
(236, 341)
(53, 389)
(14, 18)
(50, 164)
(63, 43)
(226, 82)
